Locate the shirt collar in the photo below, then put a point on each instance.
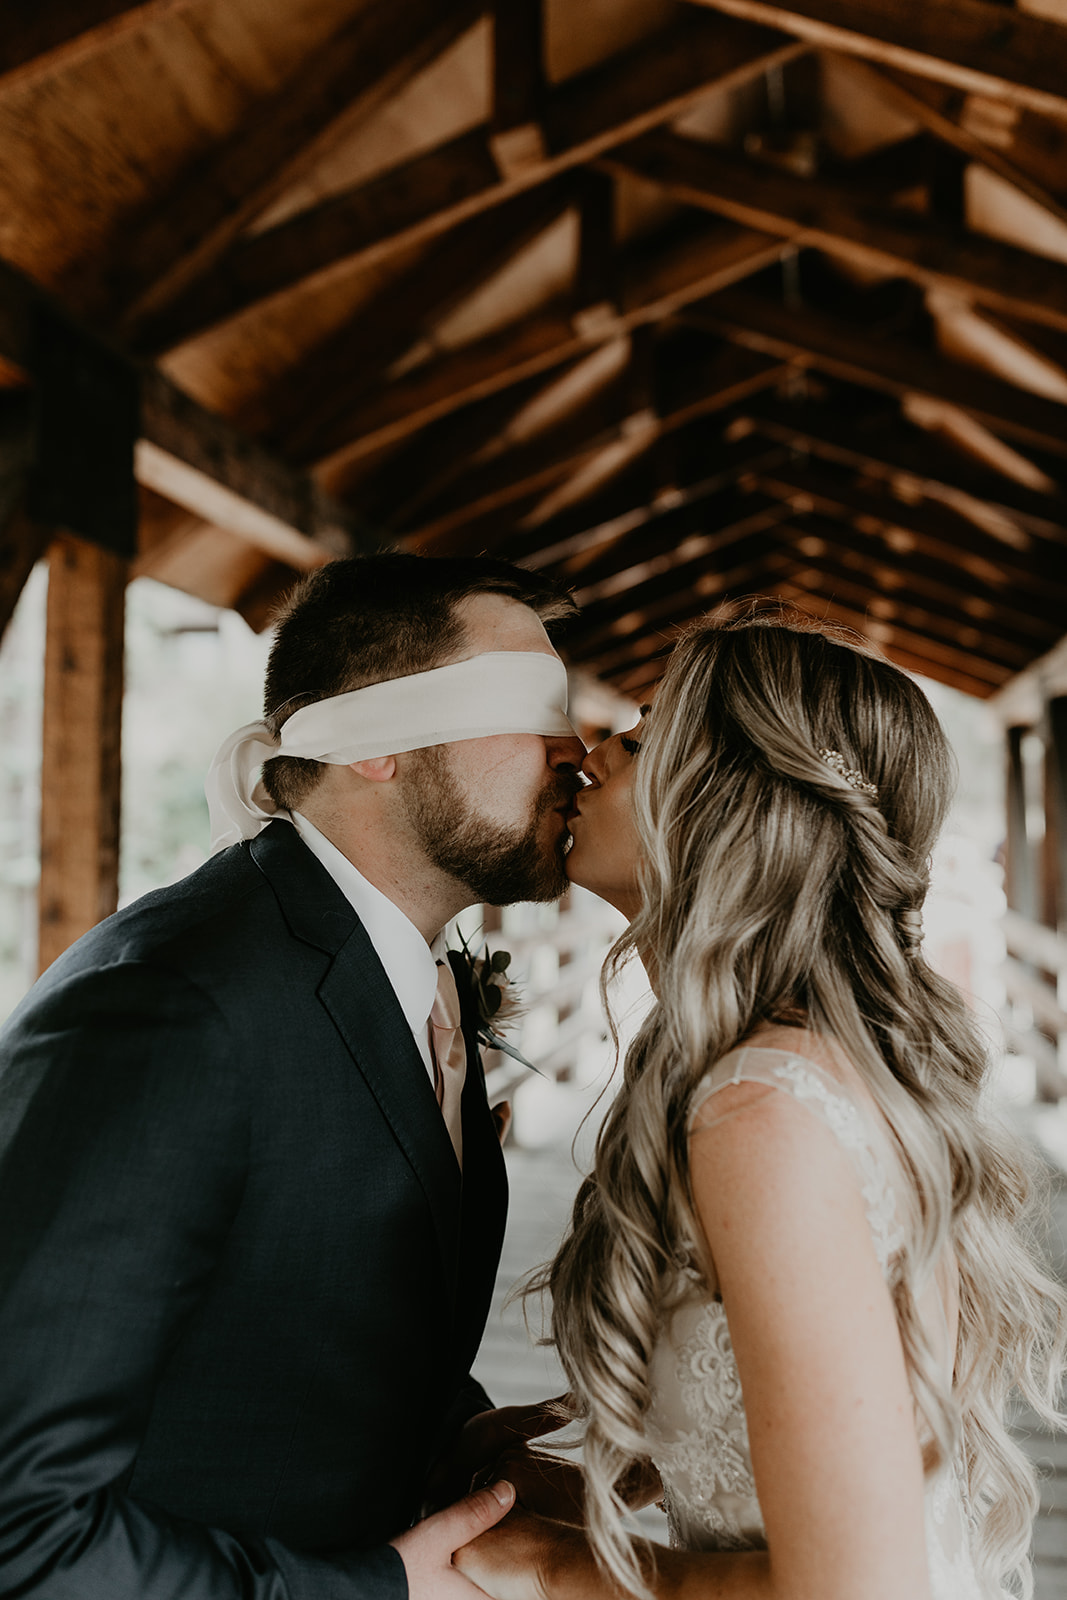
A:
(410, 963)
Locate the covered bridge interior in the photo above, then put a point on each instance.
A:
(682, 302)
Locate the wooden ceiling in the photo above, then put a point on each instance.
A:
(680, 301)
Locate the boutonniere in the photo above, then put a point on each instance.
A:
(496, 1000)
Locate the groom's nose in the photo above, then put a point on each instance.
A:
(564, 754)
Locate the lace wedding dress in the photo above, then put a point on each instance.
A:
(696, 1427)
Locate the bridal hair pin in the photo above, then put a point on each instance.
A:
(854, 779)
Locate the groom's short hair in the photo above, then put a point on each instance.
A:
(371, 618)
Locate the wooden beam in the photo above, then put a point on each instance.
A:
(40, 40)
(812, 338)
(977, 45)
(901, 606)
(520, 87)
(726, 376)
(354, 362)
(596, 283)
(908, 647)
(377, 50)
(1041, 574)
(198, 458)
(891, 449)
(742, 525)
(423, 469)
(227, 479)
(631, 509)
(955, 591)
(652, 288)
(940, 109)
(81, 761)
(625, 96)
(644, 633)
(811, 212)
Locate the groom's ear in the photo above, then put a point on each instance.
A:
(379, 769)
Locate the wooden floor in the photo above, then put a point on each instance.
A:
(513, 1369)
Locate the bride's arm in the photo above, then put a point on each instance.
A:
(830, 1415)
(831, 1419)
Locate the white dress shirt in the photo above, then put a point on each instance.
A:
(410, 963)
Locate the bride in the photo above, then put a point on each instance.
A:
(797, 1282)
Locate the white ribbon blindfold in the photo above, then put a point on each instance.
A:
(505, 691)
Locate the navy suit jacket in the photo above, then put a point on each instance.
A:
(241, 1279)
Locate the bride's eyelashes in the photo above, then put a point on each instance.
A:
(631, 746)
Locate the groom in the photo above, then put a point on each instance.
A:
(252, 1193)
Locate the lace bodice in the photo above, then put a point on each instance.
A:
(696, 1427)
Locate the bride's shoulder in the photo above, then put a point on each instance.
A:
(772, 1067)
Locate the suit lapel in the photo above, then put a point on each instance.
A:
(363, 1007)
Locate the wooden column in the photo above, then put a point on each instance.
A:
(81, 766)
(1056, 819)
(517, 139)
(1020, 885)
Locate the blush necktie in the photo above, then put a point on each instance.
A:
(449, 1055)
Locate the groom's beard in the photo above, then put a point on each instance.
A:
(499, 865)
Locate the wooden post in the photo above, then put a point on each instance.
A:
(81, 762)
(1056, 822)
(1020, 885)
(519, 88)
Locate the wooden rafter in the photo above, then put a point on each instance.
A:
(939, 108)
(811, 212)
(638, 666)
(735, 526)
(653, 507)
(647, 633)
(894, 367)
(891, 450)
(939, 622)
(976, 45)
(352, 365)
(727, 376)
(379, 49)
(910, 647)
(583, 117)
(990, 605)
(653, 286)
(40, 40)
(1039, 572)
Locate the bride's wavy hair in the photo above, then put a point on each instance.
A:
(773, 888)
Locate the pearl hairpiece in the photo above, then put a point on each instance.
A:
(854, 779)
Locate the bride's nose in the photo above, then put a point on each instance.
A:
(592, 766)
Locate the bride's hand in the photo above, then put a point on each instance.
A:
(526, 1557)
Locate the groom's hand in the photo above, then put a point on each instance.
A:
(485, 1440)
(427, 1549)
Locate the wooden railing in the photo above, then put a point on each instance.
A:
(1035, 1021)
(557, 976)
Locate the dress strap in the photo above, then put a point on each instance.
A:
(821, 1094)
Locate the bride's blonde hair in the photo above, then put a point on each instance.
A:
(772, 887)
